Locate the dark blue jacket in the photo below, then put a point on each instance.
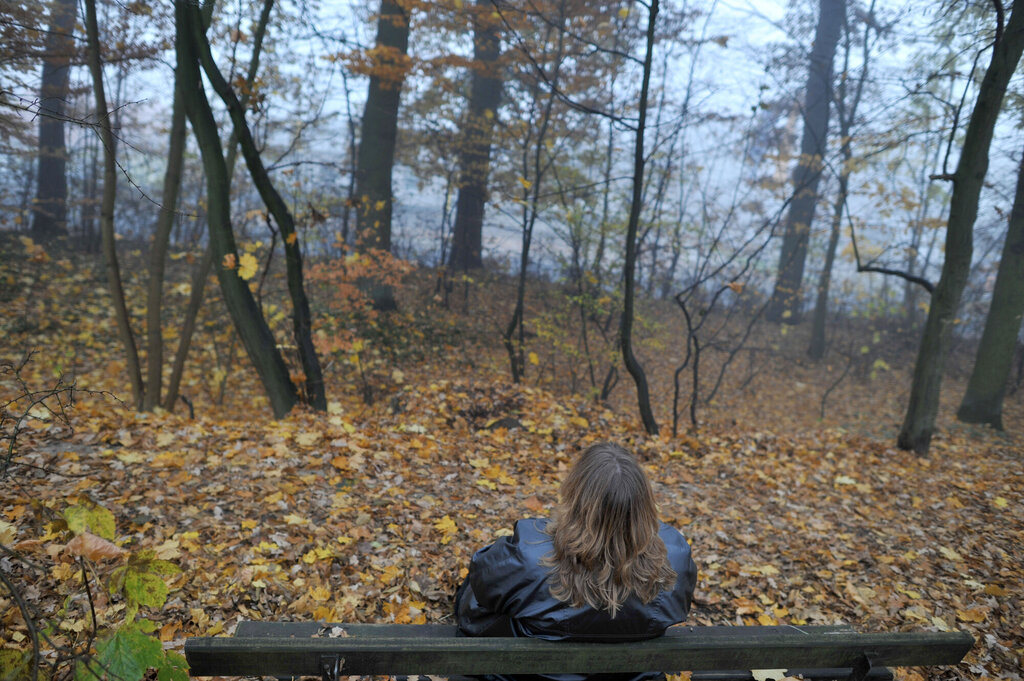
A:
(506, 594)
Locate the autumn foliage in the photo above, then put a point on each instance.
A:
(184, 526)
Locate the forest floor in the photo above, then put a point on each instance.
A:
(370, 512)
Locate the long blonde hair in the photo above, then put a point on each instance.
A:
(605, 534)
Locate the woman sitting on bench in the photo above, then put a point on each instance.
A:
(603, 568)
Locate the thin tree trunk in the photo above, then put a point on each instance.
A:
(626, 328)
(474, 164)
(786, 298)
(816, 350)
(919, 421)
(245, 313)
(983, 401)
(301, 317)
(117, 297)
(158, 256)
(49, 211)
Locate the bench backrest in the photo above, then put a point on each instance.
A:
(304, 648)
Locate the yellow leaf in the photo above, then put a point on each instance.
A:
(972, 615)
(950, 553)
(230, 261)
(482, 462)
(484, 482)
(308, 438)
(164, 438)
(320, 594)
(534, 359)
(1000, 502)
(248, 266)
(526, 183)
(295, 519)
(766, 620)
(579, 422)
(7, 532)
(292, 238)
(844, 480)
(446, 526)
(995, 590)
(624, 12)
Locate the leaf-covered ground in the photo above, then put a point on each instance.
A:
(370, 512)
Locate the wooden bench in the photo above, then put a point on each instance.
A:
(289, 649)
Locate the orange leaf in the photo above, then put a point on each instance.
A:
(230, 261)
(534, 504)
(91, 547)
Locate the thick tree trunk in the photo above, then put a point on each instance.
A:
(919, 421)
(474, 164)
(626, 328)
(49, 211)
(301, 316)
(380, 129)
(124, 327)
(983, 401)
(245, 313)
(158, 256)
(786, 298)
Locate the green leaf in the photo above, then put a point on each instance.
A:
(92, 518)
(174, 668)
(164, 567)
(145, 588)
(128, 654)
(15, 665)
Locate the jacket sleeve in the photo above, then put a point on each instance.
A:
(486, 601)
(677, 602)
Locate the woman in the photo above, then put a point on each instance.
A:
(602, 569)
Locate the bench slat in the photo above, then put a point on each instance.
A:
(682, 648)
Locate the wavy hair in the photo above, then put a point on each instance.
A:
(605, 534)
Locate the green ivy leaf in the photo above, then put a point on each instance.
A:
(174, 668)
(145, 588)
(127, 655)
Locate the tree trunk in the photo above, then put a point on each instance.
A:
(158, 256)
(302, 322)
(245, 313)
(983, 401)
(626, 328)
(786, 298)
(474, 164)
(202, 270)
(124, 327)
(919, 422)
(49, 211)
(380, 129)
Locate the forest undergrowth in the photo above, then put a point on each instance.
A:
(370, 512)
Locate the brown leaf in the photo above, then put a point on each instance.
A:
(91, 547)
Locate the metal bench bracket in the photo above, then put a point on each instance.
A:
(330, 667)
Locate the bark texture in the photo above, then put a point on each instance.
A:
(117, 297)
(380, 129)
(919, 421)
(246, 315)
(49, 211)
(786, 300)
(983, 400)
(475, 157)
